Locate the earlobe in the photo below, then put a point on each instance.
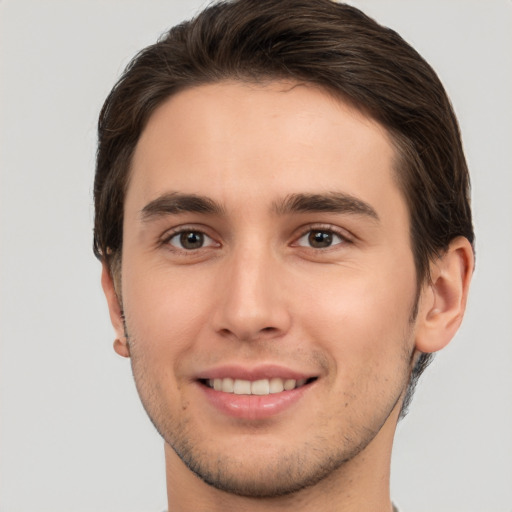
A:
(115, 311)
(444, 299)
(121, 347)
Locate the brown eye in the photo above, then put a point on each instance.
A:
(320, 239)
(190, 240)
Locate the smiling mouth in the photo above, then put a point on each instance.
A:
(259, 387)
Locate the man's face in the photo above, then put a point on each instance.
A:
(266, 250)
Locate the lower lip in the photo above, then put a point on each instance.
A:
(254, 407)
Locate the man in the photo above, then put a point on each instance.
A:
(283, 219)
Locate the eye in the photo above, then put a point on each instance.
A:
(320, 239)
(190, 240)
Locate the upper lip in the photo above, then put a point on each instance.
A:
(252, 373)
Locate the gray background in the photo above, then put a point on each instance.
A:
(73, 436)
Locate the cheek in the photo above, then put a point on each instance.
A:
(361, 317)
(165, 310)
(363, 328)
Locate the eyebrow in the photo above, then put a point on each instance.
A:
(174, 203)
(335, 202)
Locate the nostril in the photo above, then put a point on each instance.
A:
(246, 332)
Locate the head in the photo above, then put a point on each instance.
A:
(333, 46)
(321, 45)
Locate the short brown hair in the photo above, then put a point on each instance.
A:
(331, 45)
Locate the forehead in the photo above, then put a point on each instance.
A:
(234, 141)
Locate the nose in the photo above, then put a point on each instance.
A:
(252, 302)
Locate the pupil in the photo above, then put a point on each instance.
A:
(191, 240)
(320, 239)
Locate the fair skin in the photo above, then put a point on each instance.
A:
(265, 239)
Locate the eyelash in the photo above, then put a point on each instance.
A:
(325, 229)
(166, 240)
(344, 237)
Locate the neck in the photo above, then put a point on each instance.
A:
(360, 484)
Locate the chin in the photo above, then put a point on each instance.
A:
(261, 481)
(266, 469)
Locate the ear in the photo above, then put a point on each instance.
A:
(116, 312)
(443, 300)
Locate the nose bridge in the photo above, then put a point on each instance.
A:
(253, 304)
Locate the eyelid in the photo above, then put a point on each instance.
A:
(345, 235)
(178, 230)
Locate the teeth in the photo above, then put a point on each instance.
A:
(260, 387)
(242, 387)
(289, 384)
(276, 385)
(257, 387)
(226, 385)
